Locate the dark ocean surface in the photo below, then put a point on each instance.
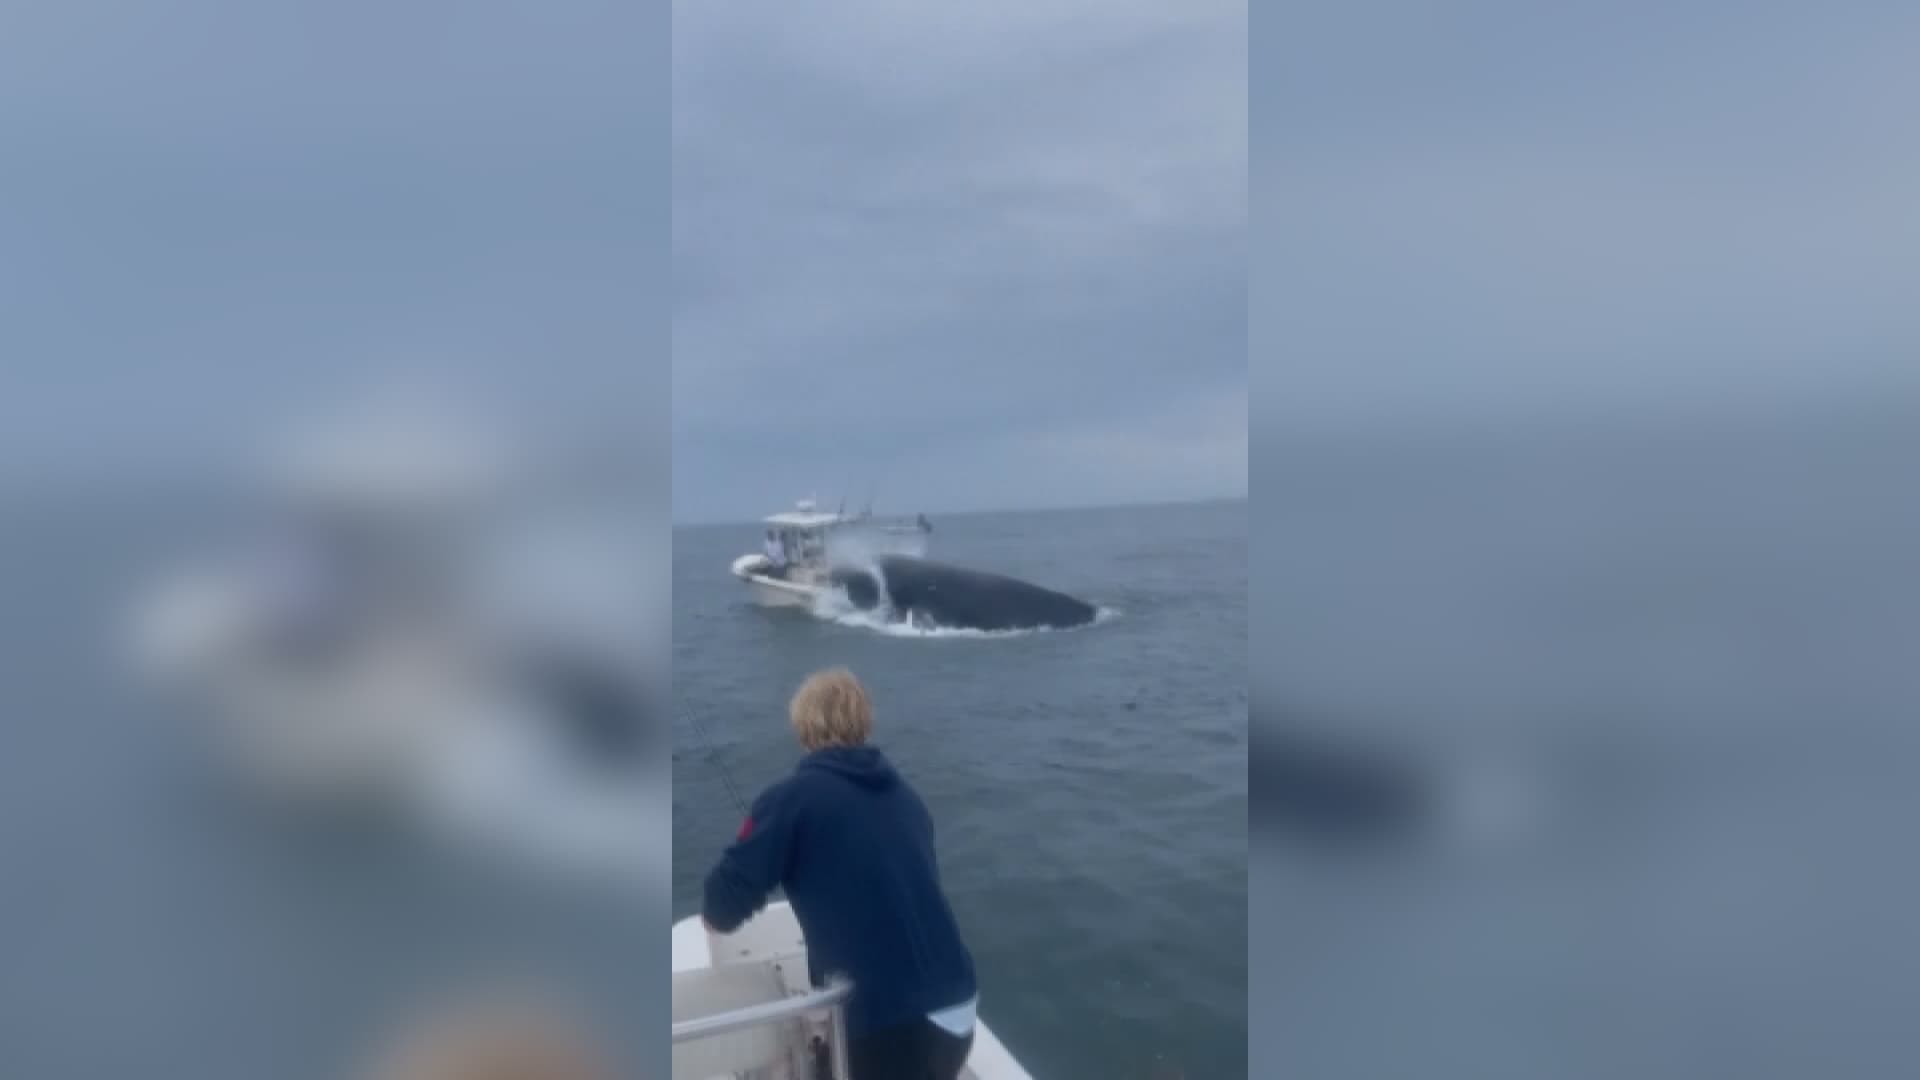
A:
(1088, 787)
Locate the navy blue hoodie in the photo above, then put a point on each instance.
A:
(852, 844)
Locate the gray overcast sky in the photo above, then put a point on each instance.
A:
(214, 213)
(985, 254)
(1492, 208)
(977, 254)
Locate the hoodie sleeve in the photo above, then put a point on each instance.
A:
(754, 864)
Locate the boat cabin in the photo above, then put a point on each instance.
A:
(803, 533)
(802, 542)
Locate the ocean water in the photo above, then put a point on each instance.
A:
(1088, 787)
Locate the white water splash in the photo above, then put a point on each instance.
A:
(863, 545)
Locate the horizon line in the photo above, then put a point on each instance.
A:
(1143, 504)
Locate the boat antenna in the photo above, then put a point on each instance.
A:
(700, 729)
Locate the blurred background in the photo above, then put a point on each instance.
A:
(1585, 540)
(1584, 549)
(333, 542)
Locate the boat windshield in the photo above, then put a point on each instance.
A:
(807, 546)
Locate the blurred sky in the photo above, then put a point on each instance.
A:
(969, 255)
(1483, 226)
(1496, 209)
(216, 214)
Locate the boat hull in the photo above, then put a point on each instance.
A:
(775, 594)
(770, 591)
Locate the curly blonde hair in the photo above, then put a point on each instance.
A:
(831, 709)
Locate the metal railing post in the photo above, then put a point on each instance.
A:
(841, 1069)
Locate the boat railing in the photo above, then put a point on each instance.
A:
(831, 999)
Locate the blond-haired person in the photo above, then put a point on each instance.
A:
(852, 844)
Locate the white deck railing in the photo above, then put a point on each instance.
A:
(774, 1013)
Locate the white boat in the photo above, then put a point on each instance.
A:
(816, 541)
(743, 1007)
(412, 646)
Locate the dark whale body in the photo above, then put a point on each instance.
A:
(600, 709)
(923, 591)
(1316, 787)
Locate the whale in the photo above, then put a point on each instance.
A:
(924, 592)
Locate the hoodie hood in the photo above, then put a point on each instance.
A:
(863, 765)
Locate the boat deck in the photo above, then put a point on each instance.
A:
(765, 961)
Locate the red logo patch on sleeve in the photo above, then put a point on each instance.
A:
(746, 830)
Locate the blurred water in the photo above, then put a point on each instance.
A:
(1088, 787)
(156, 923)
(1692, 642)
